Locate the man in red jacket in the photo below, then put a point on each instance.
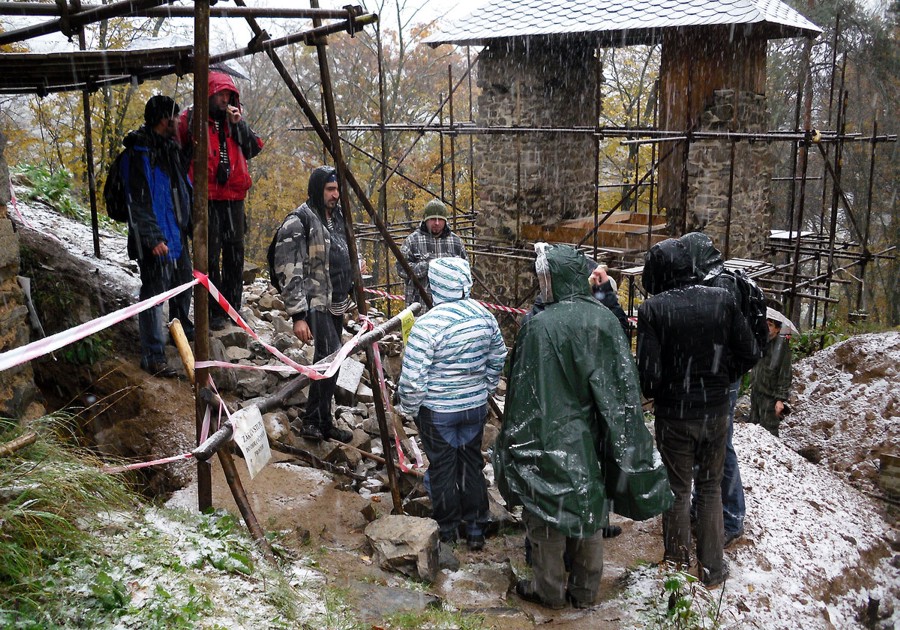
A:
(231, 144)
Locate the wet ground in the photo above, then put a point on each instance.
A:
(322, 518)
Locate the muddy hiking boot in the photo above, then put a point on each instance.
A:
(311, 432)
(611, 531)
(341, 435)
(525, 590)
(576, 603)
(475, 542)
(714, 580)
(161, 369)
(732, 537)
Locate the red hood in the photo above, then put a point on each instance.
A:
(219, 81)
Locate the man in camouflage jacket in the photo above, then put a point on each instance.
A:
(312, 265)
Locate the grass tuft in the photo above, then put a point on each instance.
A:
(46, 490)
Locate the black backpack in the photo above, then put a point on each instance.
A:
(270, 253)
(752, 304)
(115, 190)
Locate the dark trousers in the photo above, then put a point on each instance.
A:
(684, 445)
(548, 546)
(326, 330)
(156, 276)
(227, 226)
(452, 442)
(734, 508)
(762, 412)
(180, 305)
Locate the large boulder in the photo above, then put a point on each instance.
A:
(407, 544)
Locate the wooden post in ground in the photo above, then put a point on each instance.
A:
(199, 134)
(228, 467)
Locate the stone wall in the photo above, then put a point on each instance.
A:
(17, 389)
(709, 172)
(537, 178)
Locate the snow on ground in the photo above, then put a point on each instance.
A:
(113, 265)
(810, 541)
(847, 400)
(807, 536)
(171, 565)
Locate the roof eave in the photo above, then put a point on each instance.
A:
(636, 37)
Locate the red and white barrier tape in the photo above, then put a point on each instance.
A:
(401, 459)
(35, 349)
(385, 294)
(155, 462)
(496, 307)
(15, 204)
(312, 372)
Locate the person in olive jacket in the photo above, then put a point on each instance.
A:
(770, 381)
(573, 440)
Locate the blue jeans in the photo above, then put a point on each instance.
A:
(456, 483)
(180, 305)
(733, 507)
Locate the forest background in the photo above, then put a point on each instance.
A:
(855, 61)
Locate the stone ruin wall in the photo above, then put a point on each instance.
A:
(709, 166)
(537, 178)
(17, 388)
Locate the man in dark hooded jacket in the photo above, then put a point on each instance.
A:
(231, 142)
(159, 211)
(709, 270)
(312, 262)
(692, 340)
(573, 440)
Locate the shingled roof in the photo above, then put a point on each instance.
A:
(619, 22)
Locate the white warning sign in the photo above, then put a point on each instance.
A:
(250, 435)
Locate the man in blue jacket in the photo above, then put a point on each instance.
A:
(159, 209)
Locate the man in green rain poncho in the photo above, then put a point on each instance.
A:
(573, 441)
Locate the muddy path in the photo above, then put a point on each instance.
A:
(317, 514)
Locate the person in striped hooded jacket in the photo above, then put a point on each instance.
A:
(452, 363)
